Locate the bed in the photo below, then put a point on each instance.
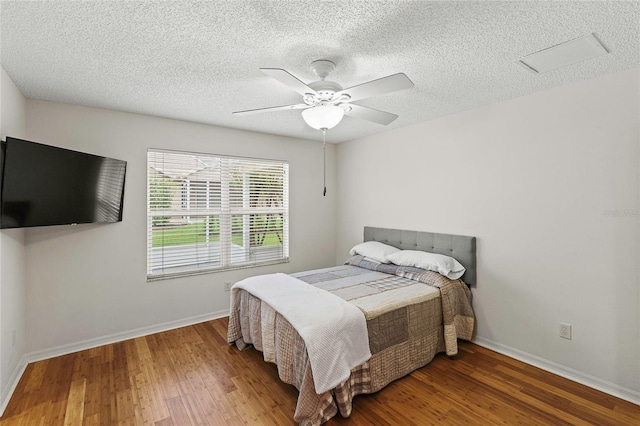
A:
(411, 314)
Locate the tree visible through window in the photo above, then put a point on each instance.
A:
(208, 213)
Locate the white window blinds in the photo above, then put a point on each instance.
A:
(208, 213)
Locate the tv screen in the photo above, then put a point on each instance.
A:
(45, 185)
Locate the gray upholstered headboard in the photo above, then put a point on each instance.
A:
(460, 247)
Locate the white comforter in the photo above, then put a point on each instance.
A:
(334, 330)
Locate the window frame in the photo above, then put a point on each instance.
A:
(225, 213)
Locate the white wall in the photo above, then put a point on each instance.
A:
(535, 179)
(12, 252)
(89, 281)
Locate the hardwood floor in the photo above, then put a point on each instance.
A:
(192, 376)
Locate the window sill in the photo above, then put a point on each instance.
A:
(169, 275)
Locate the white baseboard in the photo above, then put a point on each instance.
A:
(119, 337)
(566, 372)
(12, 384)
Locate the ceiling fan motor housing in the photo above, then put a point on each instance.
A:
(324, 91)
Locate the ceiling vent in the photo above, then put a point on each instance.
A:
(570, 52)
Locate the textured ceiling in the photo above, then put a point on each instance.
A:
(198, 61)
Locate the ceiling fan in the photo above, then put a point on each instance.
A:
(326, 102)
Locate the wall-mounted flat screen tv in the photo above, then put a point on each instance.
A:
(44, 185)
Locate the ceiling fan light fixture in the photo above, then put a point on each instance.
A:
(323, 116)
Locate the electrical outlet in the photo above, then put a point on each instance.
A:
(227, 286)
(565, 331)
(13, 338)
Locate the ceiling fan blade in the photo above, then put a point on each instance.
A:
(269, 109)
(288, 80)
(366, 113)
(380, 86)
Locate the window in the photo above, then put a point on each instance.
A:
(211, 213)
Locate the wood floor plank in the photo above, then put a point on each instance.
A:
(107, 391)
(36, 375)
(191, 376)
(179, 414)
(74, 414)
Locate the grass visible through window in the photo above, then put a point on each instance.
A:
(195, 233)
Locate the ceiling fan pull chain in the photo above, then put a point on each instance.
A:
(324, 161)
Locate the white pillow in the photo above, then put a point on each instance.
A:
(374, 250)
(444, 265)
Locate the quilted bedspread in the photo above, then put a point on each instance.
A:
(411, 315)
(343, 325)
